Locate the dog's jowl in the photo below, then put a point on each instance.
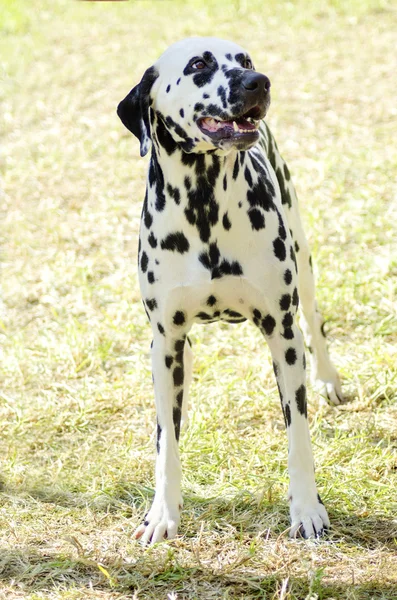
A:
(221, 239)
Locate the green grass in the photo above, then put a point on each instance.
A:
(76, 402)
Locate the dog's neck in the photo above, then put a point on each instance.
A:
(215, 168)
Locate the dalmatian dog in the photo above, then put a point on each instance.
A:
(221, 239)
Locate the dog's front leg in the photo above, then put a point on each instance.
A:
(163, 518)
(308, 514)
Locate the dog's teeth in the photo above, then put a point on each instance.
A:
(235, 126)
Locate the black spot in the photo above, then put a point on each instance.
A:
(279, 249)
(164, 137)
(213, 170)
(288, 320)
(295, 298)
(287, 413)
(179, 318)
(262, 192)
(205, 260)
(160, 328)
(176, 415)
(168, 88)
(182, 112)
(288, 333)
(214, 254)
(229, 56)
(174, 193)
(151, 303)
(240, 58)
(199, 107)
(176, 242)
(225, 221)
(215, 111)
(222, 95)
(179, 345)
(152, 240)
(268, 324)
(232, 313)
(285, 193)
(290, 356)
(144, 262)
(178, 376)
(300, 397)
(257, 219)
(281, 229)
(296, 247)
(178, 81)
(211, 300)
(286, 173)
(203, 316)
(311, 263)
(225, 183)
(168, 361)
(158, 439)
(179, 398)
(147, 217)
(323, 330)
(293, 257)
(288, 277)
(248, 176)
(304, 361)
(205, 96)
(285, 302)
(150, 277)
(227, 268)
(236, 168)
(257, 313)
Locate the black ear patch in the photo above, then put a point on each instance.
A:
(134, 109)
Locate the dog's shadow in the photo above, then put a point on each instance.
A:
(157, 571)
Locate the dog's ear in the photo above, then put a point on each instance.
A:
(134, 109)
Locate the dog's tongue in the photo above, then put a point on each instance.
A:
(240, 125)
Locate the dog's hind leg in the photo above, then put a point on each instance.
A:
(324, 374)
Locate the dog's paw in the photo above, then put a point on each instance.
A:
(308, 519)
(161, 522)
(329, 389)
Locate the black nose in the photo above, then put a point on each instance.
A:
(256, 82)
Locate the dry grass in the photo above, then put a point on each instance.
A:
(77, 414)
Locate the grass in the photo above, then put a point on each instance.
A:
(76, 402)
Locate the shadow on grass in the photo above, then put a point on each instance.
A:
(155, 575)
(175, 567)
(241, 512)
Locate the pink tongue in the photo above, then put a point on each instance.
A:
(212, 125)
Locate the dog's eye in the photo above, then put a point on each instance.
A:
(248, 64)
(198, 65)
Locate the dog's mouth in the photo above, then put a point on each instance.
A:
(244, 126)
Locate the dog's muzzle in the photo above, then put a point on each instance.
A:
(241, 129)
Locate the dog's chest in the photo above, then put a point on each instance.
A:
(210, 231)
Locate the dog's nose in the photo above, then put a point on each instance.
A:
(256, 82)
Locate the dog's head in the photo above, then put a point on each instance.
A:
(202, 94)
